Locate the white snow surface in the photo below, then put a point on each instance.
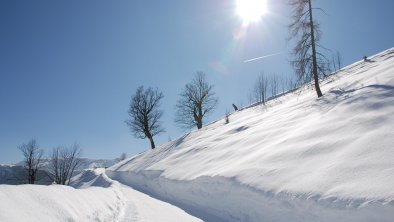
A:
(299, 158)
(94, 198)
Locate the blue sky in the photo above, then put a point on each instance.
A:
(68, 68)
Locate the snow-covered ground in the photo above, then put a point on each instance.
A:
(300, 158)
(94, 198)
(297, 159)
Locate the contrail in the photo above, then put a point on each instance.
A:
(262, 57)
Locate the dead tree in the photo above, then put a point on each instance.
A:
(145, 114)
(122, 157)
(337, 62)
(260, 89)
(197, 100)
(227, 117)
(274, 85)
(64, 162)
(308, 63)
(32, 159)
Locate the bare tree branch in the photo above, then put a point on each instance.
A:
(145, 114)
(260, 89)
(308, 63)
(197, 100)
(32, 159)
(64, 162)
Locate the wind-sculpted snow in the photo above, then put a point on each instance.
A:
(299, 158)
(91, 178)
(94, 197)
(59, 203)
(223, 199)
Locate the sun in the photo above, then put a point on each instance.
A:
(251, 10)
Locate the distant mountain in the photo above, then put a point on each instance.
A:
(15, 174)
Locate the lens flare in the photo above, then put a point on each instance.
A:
(251, 10)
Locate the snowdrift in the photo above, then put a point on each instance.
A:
(94, 197)
(299, 158)
(60, 203)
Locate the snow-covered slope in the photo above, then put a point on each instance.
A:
(94, 198)
(300, 158)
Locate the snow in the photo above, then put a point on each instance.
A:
(94, 198)
(300, 158)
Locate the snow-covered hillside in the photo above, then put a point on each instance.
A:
(300, 158)
(94, 198)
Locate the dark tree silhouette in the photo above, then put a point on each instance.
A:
(235, 107)
(32, 159)
(145, 114)
(337, 62)
(64, 162)
(260, 89)
(122, 157)
(274, 83)
(197, 100)
(308, 63)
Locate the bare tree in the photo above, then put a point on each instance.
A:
(291, 83)
(145, 114)
(227, 117)
(122, 157)
(308, 63)
(283, 83)
(260, 89)
(274, 85)
(197, 100)
(335, 64)
(64, 162)
(337, 61)
(32, 159)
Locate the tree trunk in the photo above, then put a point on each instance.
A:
(199, 123)
(152, 143)
(314, 62)
(200, 115)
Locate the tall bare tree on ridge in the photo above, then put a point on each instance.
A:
(308, 62)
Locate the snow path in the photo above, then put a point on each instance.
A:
(143, 208)
(129, 212)
(93, 197)
(136, 206)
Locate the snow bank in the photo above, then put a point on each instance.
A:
(97, 198)
(92, 178)
(299, 158)
(58, 203)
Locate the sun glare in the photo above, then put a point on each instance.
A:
(251, 10)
